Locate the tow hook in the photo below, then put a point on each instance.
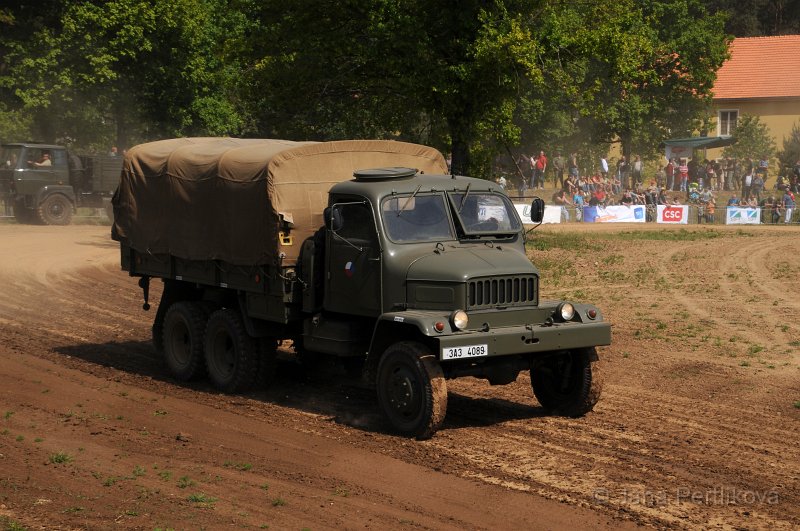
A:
(144, 283)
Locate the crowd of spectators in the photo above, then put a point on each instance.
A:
(679, 181)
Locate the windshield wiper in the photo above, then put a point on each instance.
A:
(408, 201)
(463, 199)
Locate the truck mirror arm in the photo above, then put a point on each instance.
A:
(348, 242)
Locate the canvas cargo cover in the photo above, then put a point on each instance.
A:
(228, 198)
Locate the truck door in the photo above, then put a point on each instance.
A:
(354, 264)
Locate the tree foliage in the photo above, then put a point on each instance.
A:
(790, 154)
(756, 18)
(753, 140)
(472, 78)
(122, 70)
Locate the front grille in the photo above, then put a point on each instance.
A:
(504, 291)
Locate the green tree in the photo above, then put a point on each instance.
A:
(121, 70)
(755, 18)
(790, 154)
(753, 140)
(641, 71)
(432, 71)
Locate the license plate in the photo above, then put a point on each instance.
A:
(469, 351)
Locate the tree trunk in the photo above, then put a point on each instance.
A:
(460, 136)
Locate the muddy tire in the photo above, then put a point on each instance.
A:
(183, 340)
(232, 356)
(565, 384)
(55, 210)
(412, 391)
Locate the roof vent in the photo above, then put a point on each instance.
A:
(381, 174)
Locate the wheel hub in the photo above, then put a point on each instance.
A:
(402, 394)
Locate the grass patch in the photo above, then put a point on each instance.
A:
(60, 458)
(184, 482)
(278, 502)
(797, 404)
(166, 475)
(8, 414)
(544, 241)
(7, 524)
(201, 498)
(681, 235)
(238, 466)
(754, 349)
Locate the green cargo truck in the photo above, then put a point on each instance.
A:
(364, 250)
(45, 183)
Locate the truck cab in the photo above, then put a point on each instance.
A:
(436, 265)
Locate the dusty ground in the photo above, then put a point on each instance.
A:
(697, 427)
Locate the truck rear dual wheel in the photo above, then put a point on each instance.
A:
(182, 333)
(565, 384)
(55, 210)
(232, 356)
(412, 391)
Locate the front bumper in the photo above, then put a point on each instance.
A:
(527, 339)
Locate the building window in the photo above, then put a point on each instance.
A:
(726, 122)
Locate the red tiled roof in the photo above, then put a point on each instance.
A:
(760, 67)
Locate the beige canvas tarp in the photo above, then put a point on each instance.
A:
(228, 198)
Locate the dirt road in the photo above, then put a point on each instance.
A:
(697, 426)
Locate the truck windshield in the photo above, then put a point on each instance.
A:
(484, 213)
(416, 218)
(10, 157)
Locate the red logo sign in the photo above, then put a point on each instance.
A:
(674, 215)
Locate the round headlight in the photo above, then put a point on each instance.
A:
(566, 311)
(459, 319)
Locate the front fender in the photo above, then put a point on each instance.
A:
(50, 189)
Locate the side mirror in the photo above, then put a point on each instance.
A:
(537, 210)
(333, 218)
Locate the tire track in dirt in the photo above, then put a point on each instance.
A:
(596, 464)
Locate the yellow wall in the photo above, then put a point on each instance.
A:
(778, 115)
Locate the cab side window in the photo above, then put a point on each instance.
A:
(357, 223)
(59, 157)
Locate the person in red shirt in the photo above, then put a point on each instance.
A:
(538, 171)
(598, 198)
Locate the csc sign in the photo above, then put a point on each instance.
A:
(674, 214)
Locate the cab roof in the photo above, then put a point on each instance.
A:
(385, 182)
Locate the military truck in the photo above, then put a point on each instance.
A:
(45, 183)
(368, 251)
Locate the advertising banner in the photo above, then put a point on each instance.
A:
(673, 214)
(742, 216)
(614, 214)
(552, 214)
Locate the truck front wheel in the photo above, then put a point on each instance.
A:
(183, 331)
(565, 385)
(231, 354)
(55, 210)
(412, 391)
